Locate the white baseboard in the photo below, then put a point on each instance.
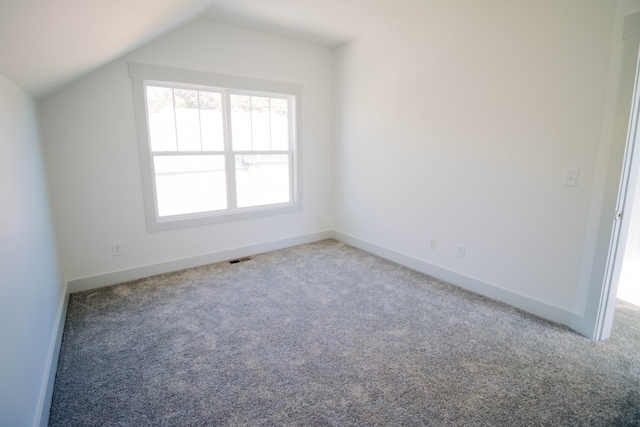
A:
(530, 305)
(514, 299)
(111, 278)
(44, 405)
(523, 302)
(584, 325)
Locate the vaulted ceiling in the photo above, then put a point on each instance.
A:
(45, 45)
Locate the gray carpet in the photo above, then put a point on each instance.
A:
(325, 334)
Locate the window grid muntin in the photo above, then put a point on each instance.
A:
(199, 89)
(228, 152)
(290, 112)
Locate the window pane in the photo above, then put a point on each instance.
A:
(262, 179)
(211, 121)
(190, 184)
(279, 124)
(162, 130)
(187, 120)
(241, 122)
(260, 123)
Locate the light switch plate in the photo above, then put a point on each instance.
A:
(571, 177)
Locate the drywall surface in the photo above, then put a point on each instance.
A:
(458, 123)
(92, 155)
(30, 287)
(596, 293)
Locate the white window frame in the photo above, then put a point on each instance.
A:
(142, 74)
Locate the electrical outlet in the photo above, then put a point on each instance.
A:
(460, 250)
(432, 242)
(116, 249)
(318, 217)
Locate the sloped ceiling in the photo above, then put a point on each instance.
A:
(326, 22)
(45, 44)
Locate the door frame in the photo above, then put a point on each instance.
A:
(629, 180)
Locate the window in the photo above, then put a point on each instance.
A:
(214, 148)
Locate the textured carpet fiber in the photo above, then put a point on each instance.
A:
(325, 334)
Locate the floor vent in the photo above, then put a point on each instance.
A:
(235, 261)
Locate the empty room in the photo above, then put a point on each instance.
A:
(356, 212)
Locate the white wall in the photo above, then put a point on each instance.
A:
(458, 122)
(91, 150)
(596, 295)
(31, 292)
